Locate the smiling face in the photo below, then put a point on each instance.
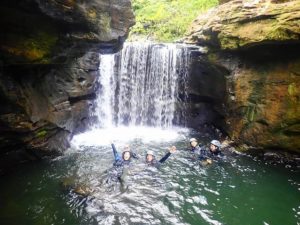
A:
(194, 144)
(213, 148)
(149, 158)
(126, 156)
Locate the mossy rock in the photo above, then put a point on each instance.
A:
(41, 134)
(238, 25)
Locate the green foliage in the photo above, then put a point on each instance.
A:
(166, 20)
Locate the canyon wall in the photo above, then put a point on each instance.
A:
(48, 67)
(256, 44)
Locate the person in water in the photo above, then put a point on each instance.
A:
(195, 148)
(126, 157)
(121, 165)
(213, 153)
(151, 160)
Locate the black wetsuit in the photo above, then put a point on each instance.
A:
(156, 163)
(194, 152)
(206, 153)
(119, 161)
(120, 167)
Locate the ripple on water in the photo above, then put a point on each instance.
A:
(180, 192)
(207, 216)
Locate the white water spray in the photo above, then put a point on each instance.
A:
(139, 90)
(104, 100)
(139, 85)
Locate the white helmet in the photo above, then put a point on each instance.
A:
(126, 148)
(216, 143)
(193, 139)
(150, 152)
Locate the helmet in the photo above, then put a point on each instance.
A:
(126, 148)
(216, 143)
(193, 139)
(150, 152)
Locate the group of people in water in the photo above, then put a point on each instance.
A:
(123, 167)
(202, 154)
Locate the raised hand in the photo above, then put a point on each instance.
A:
(209, 161)
(172, 149)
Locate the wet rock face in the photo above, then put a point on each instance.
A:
(48, 67)
(44, 106)
(52, 31)
(264, 100)
(206, 93)
(240, 24)
(106, 20)
(257, 43)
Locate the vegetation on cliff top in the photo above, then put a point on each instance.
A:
(166, 20)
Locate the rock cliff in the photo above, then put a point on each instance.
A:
(257, 44)
(48, 67)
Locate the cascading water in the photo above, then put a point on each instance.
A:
(140, 90)
(104, 99)
(139, 85)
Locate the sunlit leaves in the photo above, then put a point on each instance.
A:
(166, 20)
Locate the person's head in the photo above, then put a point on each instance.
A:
(149, 156)
(193, 142)
(215, 145)
(126, 155)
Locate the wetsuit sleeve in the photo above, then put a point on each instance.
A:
(116, 155)
(203, 154)
(135, 156)
(221, 155)
(165, 157)
(198, 150)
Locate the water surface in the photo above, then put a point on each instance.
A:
(239, 190)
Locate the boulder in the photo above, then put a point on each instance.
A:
(257, 44)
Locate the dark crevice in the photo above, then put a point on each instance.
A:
(257, 18)
(81, 79)
(197, 99)
(74, 100)
(269, 51)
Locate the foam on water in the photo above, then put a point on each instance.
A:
(122, 134)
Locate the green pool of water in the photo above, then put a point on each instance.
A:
(239, 190)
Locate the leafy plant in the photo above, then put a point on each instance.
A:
(166, 20)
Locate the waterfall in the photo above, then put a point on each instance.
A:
(105, 96)
(140, 86)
